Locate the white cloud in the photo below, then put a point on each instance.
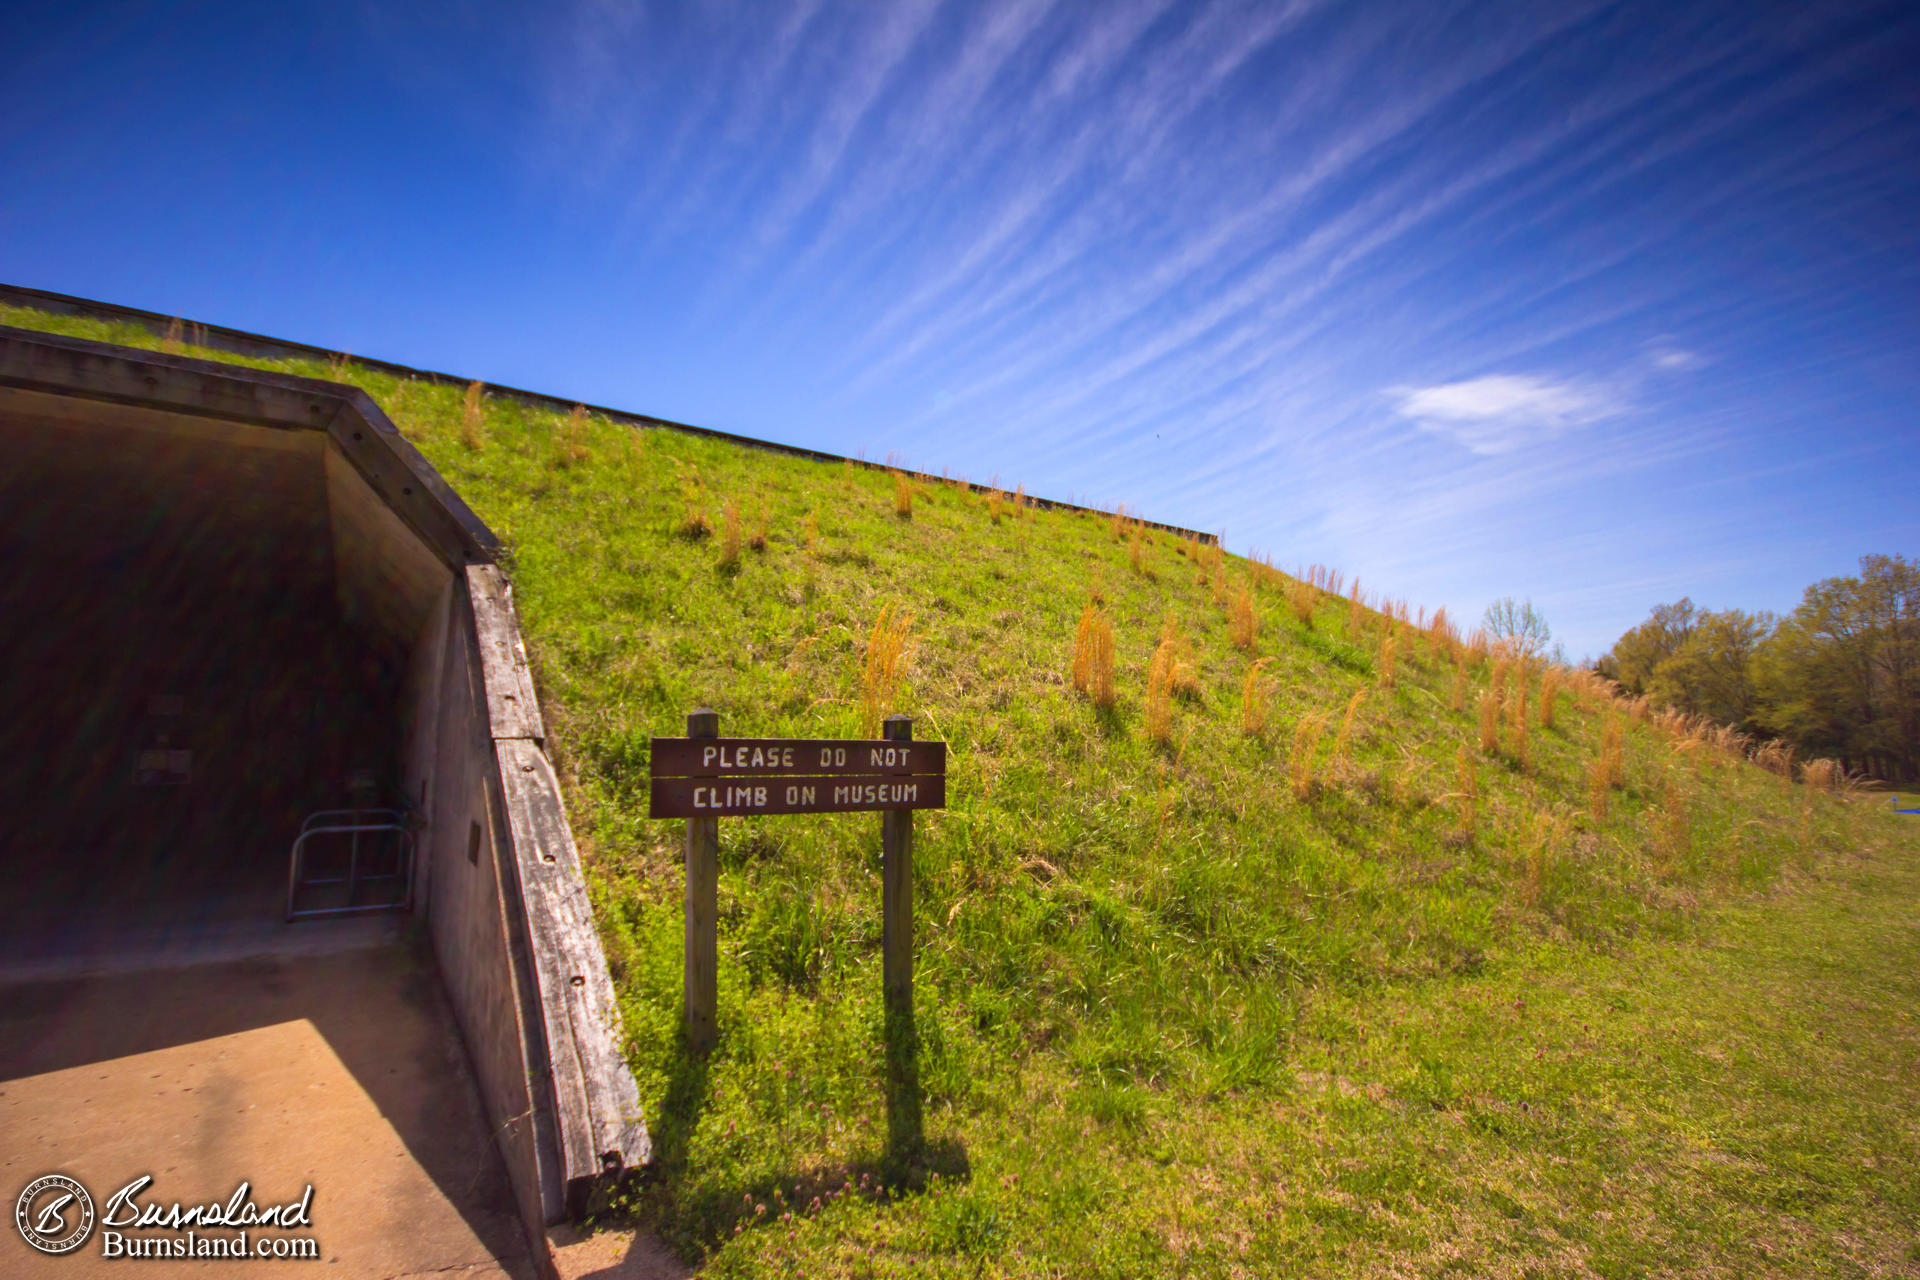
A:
(1675, 358)
(1503, 411)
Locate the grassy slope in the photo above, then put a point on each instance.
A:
(1175, 1019)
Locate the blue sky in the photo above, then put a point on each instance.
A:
(1600, 305)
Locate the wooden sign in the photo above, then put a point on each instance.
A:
(704, 777)
(739, 777)
(744, 796)
(772, 757)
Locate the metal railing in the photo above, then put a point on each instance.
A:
(354, 825)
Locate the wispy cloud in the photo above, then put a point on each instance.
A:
(1501, 412)
(1675, 358)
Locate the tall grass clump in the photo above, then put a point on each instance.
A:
(1243, 620)
(730, 534)
(1343, 738)
(1549, 696)
(902, 496)
(1161, 672)
(880, 671)
(1489, 722)
(1466, 796)
(570, 440)
(1672, 828)
(1356, 613)
(1457, 691)
(1518, 724)
(1543, 844)
(473, 418)
(1822, 775)
(1300, 599)
(1611, 758)
(1383, 673)
(1093, 656)
(1255, 692)
(1306, 742)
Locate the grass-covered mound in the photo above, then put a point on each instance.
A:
(1305, 952)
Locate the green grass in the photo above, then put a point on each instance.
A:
(1174, 1020)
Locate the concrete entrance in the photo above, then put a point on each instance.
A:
(343, 1071)
(235, 598)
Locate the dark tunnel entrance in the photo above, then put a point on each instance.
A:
(229, 600)
(206, 639)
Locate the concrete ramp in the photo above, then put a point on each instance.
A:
(341, 1071)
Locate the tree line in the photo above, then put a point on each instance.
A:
(1838, 677)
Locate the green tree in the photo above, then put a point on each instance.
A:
(1841, 676)
(1711, 673)
(1636, 655)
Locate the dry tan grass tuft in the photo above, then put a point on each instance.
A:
(1672, 829)
(569, 440)
(1544, 840)
(887, 648)
(1517, 723)
(1549, 696)
(1822, 775)
(1301, 599)
(1356, 614)
(1775, 757)
(1306, 741)
(1466, 796)
(1613, 736)
(1255, 692)
(1243, 620)
(1161, 673)
(902, 496)
(473, 419)
(1343, 739)
(1093, 656)
(730, 534)
(1457, 691)
(1489, 721)
(1383, 673)
(1184, 676)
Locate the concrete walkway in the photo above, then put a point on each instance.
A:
(342, 1071)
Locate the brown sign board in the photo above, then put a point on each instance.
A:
(778, 757)
(742, 797)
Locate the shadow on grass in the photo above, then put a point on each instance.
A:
(1109, 721)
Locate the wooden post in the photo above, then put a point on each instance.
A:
(896, 946)
(703, 878)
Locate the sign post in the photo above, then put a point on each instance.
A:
(700, 989)
(704, 777)
(896, 964)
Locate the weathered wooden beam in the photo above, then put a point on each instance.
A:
(512, 705)
(597, 1102)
